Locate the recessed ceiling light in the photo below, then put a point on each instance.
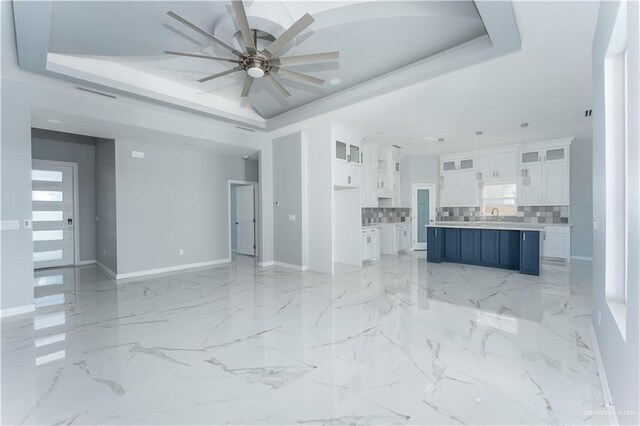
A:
(381, 132)
(335, 81)
(524, 125)
(54, 121)
(245, 157)
(430, 138)
(440, 139)
(479, 132)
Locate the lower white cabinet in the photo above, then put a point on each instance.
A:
(370, 245)
(395, 237)
(556, 242)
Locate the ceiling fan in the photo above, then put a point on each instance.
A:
(259, 64)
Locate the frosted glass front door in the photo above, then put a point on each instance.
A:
(422, 214)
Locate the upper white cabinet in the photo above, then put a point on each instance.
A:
(458, 182)
(497, 166)
(347, 160)
(544, 176)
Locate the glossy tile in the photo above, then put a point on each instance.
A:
(400, 341)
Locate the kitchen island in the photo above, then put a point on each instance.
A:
(514, 246)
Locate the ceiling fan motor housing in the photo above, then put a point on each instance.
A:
(256, 65)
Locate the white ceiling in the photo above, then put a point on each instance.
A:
(547, 84)
(126, 40)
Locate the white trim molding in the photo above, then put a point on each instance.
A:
(171, 269)
(266, 264)
(86, 262)
(106, 269)
(612, 418)
(17, 310)
(582, 258)
(291, 266)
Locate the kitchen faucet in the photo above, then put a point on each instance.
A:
(495, 209)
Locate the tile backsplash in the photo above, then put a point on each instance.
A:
(373, 215)
(526, 214)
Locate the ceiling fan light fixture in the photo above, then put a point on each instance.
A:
(255, 72)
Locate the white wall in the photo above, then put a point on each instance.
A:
(106, 205)
(175, 198)
(288, 169)
(417, 169)
(620, 354)
(24, 92)
(581, 195)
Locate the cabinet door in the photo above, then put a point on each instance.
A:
(434, 244)
(467, 164)
(466, 189)
(486, 167)
(470, 245)
(340, 173)
(555, 154)
(448, 183)
(353, 175)
(449, 166)
(530, 186)
(490, 247)
(506, 165)
(354, 154)
(510, 249)
(555, 244)
(363, 245)
(341, 151)
(452, 244)
(530, 252)
(382, 180)
(556, 187)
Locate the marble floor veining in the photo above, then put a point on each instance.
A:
(399, 341)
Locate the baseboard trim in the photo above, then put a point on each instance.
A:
(604, 384)
(266, 264)
(107, 270)
(582, 258)
(291, 266)
(171, 269)
(86, 262)
(17, 310)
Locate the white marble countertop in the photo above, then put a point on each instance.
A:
(513, 226)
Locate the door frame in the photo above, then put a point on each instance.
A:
(76, 205)
(414, 202)
(231, 182)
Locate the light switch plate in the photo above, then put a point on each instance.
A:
(10, 225)
(292, 217)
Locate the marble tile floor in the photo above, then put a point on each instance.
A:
(399, 341)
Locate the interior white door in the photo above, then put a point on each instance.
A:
(423, 212)
(245, 219)
(53, 214)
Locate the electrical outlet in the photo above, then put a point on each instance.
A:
(181, 252)
(292, 217)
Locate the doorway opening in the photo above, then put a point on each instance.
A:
(242, 218)
(423, 212)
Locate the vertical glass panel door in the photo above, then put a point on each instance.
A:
(53, 218)
(423, 214)
(354, 153)
(341, 150)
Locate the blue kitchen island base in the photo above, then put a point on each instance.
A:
(497, 248)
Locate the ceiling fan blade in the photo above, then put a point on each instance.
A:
(220, 74)
(243, 24)
(297, 75)
(203, 32)
(248, 81)
(290, 33)
(195, 55)
(276, 84)
(301, 59)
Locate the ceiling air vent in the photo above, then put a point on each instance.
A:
(245, 128)
(95, 92)
(587, 113)
(397, 146)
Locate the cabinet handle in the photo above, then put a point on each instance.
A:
(436, 232)
(368, 240)
(349, 158)
(348, 179)
(524, 236)
(496, 174)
